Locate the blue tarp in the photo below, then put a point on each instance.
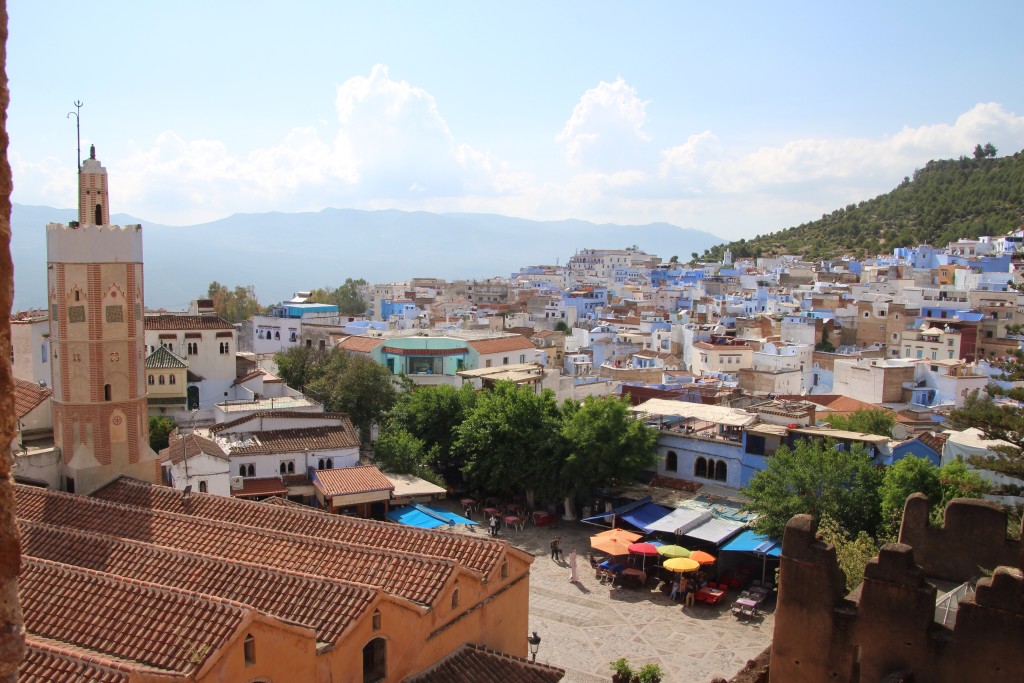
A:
(645, 515)
(749, 542)
(621, 510)
(425, 517)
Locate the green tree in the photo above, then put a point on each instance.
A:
(959, 482)
(818, 479)
(346, 297)
(901, 479)
(235, 305)
(979, 152)
(432, 414)
(160, 429)
(299, 365)
(399, 452)
(355, 385)
(990, 150)
(997, 421)
(561, 326)
(852, 552)
(510, 442)
(865, 421)
(605, 443)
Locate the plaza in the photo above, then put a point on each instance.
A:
(586, 625)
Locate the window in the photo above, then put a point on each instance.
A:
(330, 463)
(241, 470)
(375, 660)
(376, 620)
(755, 442)
(504, 361)
(202, 487)
(160, 380)
(283, 468)
(320, 464)
(721, 471)
(671, 461)
(152, 380)
(291, 467)
(225, 348)
(171, 379)
(42, 352)
(106, 392)
(250, 650)
(455, 598)
(504, 569)
(700, 468)
(522, 358)
(250, 470)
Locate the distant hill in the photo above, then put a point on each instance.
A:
(944, 201)
(281, 253)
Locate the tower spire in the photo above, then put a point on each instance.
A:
(78, 130)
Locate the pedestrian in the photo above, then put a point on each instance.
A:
(494, 525)
(675, 589)
(555, 549)
(573, 576)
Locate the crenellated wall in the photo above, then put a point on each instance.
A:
(886, 627)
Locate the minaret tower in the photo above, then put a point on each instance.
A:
(94, 277)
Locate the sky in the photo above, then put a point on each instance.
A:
(737, 118)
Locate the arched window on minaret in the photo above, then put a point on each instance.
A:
(99, 214)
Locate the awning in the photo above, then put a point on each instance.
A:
(715, 531)
(425, 517)
(750, 542)
(679, 521)
(723, 415)
(622, 509)
(644, 515)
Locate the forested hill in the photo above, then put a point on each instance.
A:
(944, 201)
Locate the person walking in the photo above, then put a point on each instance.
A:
(573, 576)
(556, 549)
(494, 525)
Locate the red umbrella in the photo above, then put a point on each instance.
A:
(644, 550)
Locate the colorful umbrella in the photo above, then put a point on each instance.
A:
(644, 549)
(681, 564)
(614, 541)
(702, 557)
(673, 551)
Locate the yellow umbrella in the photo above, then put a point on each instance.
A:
(681, 564)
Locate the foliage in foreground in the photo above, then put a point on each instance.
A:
(160, 429)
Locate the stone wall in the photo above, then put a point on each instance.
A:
(886, 628)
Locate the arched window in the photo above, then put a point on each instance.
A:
(106, 392)
(252, 470)
(320, 464)
(249, 648)
(330, 463)
(171, 379)
(291, 467)
(671, 461)
(99, 214)
(700, 468)
(160, 380)
(721, 471)
(202, 487)
(375, 655)
(241, 470)
(151, 380)
(283, 468)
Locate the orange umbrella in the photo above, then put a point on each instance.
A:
(614, 541)
(702, 557)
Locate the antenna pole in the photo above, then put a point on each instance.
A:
(78, 130)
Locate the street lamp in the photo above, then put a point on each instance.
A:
(534, 642)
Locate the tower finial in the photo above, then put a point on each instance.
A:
(92, 151)
(78, 129)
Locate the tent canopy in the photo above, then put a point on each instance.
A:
(750, 542)
(425, 517)
(645, 514)
(621, 510)
(715, 530)
(679, 521)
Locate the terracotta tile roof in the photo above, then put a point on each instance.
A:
(478, 664)
(162, 359)
(28, 396)
(173, 321)
(297, 479)
(326, 607)
(194, 445)
(63, 603)
(479, 554)
(360, 344)
(297, 440)
(279, 413)
(347, 480)
(261, 488)
(514, 342)
(52, 662)
(721, 347)
(933, 441)
(844, 405)
(245, 378)
(415, 578)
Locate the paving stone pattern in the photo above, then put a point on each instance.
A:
(585, 626)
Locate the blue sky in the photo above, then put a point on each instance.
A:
(737, 118)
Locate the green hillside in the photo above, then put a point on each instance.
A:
(944, 201)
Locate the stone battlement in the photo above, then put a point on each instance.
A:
(94, 243)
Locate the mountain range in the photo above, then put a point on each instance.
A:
(281, 253)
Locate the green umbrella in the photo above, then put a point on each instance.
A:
(673, 551)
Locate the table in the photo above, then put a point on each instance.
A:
(711, 596)
(516, 522)
(634, 575)
(541, 518)
(468, 503)
(745, 607)
(491, 512)
(513, 507)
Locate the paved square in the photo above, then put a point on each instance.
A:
(585, 626)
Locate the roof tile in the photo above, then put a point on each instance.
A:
(28, 395)
(475, 664)
(514, 342)
(174, 321)
(297, 440)
(347, 480)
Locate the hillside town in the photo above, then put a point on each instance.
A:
(274, 547)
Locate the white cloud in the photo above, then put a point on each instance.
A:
(606, 129)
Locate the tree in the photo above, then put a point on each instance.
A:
(999, 422)
(674, 259)
(346, 297)
(234, 305)
(160, 429)
(432, 414)
(299, 365)
(903, 478)
(605, 444)
(510, 442)
(959, 482)
(355, 385)
(561, 326)
(399, 452)
(990, 150)
(865, 421)
(852, 552)
(979, 152)
(818, 479)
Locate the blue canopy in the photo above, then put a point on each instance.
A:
(749, 542)
(622, 509)
(425, 517)
(645, 515)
